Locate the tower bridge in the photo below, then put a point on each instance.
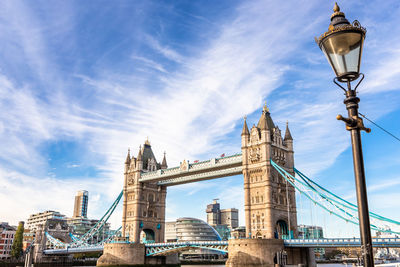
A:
(270, 203)
(270, 181)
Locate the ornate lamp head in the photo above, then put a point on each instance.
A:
(342, 45)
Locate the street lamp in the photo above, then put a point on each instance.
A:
(342, 45)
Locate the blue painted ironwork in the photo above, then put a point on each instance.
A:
(54, 241)
(331, 202)
(83, 240)
(304, 185)
(156, 249)
(28, 249)
(96, 228)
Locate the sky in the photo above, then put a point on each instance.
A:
(83, 81)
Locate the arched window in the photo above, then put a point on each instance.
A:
(281, 230)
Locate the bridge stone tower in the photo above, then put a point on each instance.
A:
(143, 203)
(270, 202)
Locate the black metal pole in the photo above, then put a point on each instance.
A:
(354, 124)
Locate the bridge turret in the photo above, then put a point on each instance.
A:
(139, 160)
(245, 133)
(164, 163)
(288, 142)
(128, 161)
(266, 202)
(265, 124)
(144, 201)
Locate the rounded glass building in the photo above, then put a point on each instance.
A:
(192, 229)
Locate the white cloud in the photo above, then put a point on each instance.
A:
(189, 114)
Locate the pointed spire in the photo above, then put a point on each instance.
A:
(139, 156)
(147, 142)
(164, 162)
(265, 122)
(265, 108)
(288, 136)
(245, 130)
(128, 157)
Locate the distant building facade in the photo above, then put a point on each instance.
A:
(81, 204)
(230, 217)
(41, 218)
(310, 232)
(224, 221)
(216, 216)
(192, 229)
(239, 232)
(28, 238)
(213, 213)
(7, 234)
(170, 232)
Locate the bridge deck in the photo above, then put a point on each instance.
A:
(341, 242)
(194, 172)
(218, 245)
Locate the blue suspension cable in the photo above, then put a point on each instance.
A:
(292, 180)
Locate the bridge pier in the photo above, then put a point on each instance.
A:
(168, 260)
(39, 258)
(266, 253)
(124, 254)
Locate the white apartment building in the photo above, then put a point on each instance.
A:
(40, 218)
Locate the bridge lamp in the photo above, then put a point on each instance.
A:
(342, 45)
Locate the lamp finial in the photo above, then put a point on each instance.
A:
(336, 8)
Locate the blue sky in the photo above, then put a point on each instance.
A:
(80, 82)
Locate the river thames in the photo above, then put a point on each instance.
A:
(223, 265)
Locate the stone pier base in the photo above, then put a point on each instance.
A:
(303, 256)
(253, 252)
(266, 253)
(169, 260)
(122, 254)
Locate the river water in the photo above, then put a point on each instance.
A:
(319, 265)
(223, 265)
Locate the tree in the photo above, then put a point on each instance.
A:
(16, 249)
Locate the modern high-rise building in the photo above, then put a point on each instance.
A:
(81, 204)
(216, 216)
(213, 213)
(230, 217)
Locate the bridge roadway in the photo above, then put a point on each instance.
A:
(194, 172)
(154, 249)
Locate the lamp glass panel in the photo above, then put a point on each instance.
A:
(343, 51)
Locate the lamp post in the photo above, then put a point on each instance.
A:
(342, 45)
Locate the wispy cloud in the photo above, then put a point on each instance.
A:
(187, 97)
